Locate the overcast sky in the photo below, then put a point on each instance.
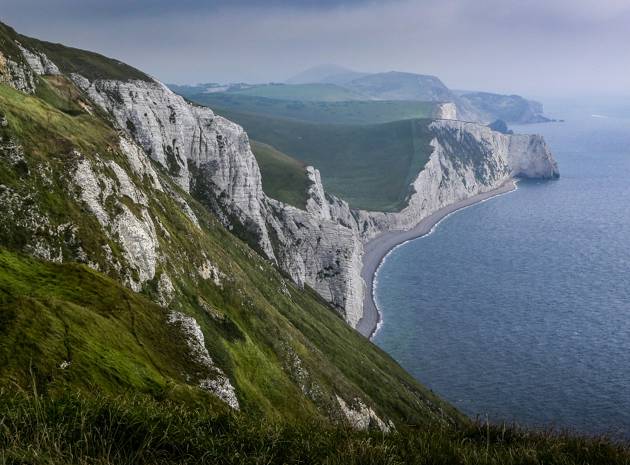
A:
(533, 47)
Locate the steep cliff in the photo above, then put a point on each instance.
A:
(467, 159)
(320, 246)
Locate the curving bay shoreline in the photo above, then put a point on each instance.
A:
(378, 248)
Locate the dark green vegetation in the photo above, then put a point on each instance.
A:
(370, 166)
(283, 178)
(348, 112)
(287, 353)
(77, 429)
(69, 60)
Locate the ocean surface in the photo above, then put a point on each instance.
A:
(518, 309)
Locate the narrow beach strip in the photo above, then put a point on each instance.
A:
(375, 251)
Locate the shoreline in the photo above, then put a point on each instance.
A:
(377, 249)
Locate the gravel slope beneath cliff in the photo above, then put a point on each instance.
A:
(379, 247)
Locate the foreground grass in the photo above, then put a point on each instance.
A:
(75, 429)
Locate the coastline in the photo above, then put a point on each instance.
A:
(377, 249)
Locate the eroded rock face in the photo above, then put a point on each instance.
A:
(447, 110)
(214, 380)
(211, 157)
(39, 62)
(135, 232)
(362, 417)
(16, 75)
(204, 153)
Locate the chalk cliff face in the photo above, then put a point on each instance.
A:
(447, 110)
(467, 159)
(320, 246)
(210, 157)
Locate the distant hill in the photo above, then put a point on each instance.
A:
(395, 85)
(483, 107)
(325, 74)
(509, 108)
(305, 92)
(342, 112)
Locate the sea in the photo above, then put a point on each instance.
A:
(517, 309)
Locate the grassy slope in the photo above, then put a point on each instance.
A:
(303, 92)
(258, 323)
(349, 112)
(283, 178)
(75, 429)
(370, 166)
(113, 338)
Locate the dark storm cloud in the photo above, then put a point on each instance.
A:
(534, 47)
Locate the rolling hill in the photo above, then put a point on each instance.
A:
(334, 112)
(369, 166)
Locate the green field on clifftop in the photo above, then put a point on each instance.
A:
(369, 166)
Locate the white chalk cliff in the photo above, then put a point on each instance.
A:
(321, 246)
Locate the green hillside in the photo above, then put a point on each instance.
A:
(303, 92)
(283, 178)
(370, 166)
(348, 112)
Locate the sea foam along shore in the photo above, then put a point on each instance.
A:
(378, 248)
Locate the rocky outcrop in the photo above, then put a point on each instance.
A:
(446, 110)
(214, 379)
(16, 75)
(39, 62)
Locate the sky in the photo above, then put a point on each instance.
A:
(533, 47)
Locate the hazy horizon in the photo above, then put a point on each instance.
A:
(540, 49)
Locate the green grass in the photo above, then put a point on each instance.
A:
(77, 429)
(114, 339)
(348, 112)
(303, 92)
(370, 166)
(283, 178)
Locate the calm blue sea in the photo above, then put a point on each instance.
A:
(518, 308)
